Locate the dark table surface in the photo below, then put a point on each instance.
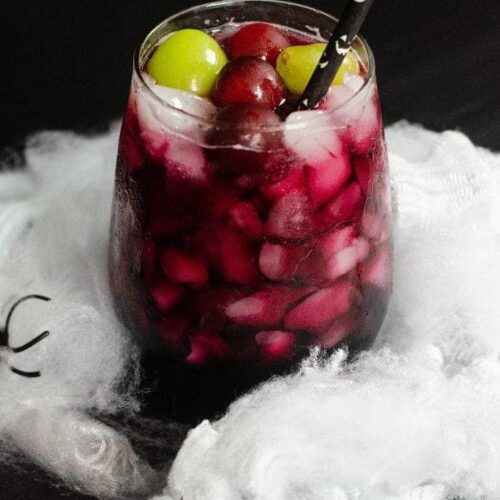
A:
(67, 64)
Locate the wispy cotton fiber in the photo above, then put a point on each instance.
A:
(417, 418)
(54, 219)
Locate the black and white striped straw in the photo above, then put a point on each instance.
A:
(337, 48)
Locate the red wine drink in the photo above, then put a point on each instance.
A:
(245, 233)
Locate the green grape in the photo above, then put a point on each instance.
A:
(188, 60)
(296, 65)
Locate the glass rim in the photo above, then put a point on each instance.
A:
(138, 73)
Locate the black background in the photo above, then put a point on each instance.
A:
(67, 64)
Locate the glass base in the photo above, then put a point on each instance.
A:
(175, 391)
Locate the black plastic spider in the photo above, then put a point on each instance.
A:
(4, 336)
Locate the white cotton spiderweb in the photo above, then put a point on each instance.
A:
(54, 219)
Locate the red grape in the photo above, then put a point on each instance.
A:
(259, 151)
(249, 80)
(258, 39)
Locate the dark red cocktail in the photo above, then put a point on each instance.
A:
(243, 233)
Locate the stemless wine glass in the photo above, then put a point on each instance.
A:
(236, 247)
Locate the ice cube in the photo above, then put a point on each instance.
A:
(186, 101)
(245, 216)
(326, 178)
(207, 347)
(353, 81)
(210, 306)
(173, 117)
(276, 344)
(347, 259)
(343, 208)
(159, 121)
(153, 134)
(337, 96)
(290, 217)
(185, 160)
(165, 296)
(377, 271)
(278, 262)
(266, 307)
(322, 307)
(181, 267)
(229, 251)
(294, 181)
(376, 226)
(335, 241)
(312, 137)
(361, 119)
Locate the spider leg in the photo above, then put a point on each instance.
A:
(16, 304)
(4, 336)
(31, 343)
(23, 373)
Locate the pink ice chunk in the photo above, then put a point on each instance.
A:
(185, 160)
(210, 306)
(321, 307)
(363, 116)
(179, 114)
(337, 240)
(276, 344)
(235, 259)
(339, 252)
(162, 122)
(376, 227)
(181, 267)
(245, 216)
(378, 271)
(290, 217)
(294, 181)
(312, 137)
(154, 138)
(345, 207)
(354, 81)
(165, 296)
(325, 179)
(229, 251)
(207, 347)
(278, 262)
(337, 331)
(188, 102)
(347, 259)
(266, 307)
(336, 96)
